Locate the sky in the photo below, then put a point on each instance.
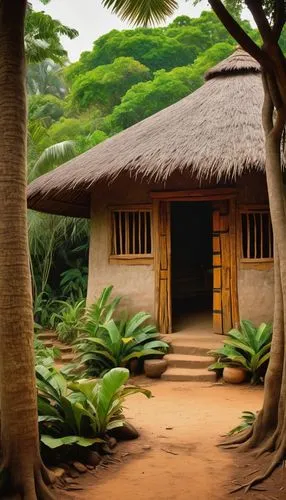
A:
(92, 20)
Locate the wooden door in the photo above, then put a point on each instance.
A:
(162, 262)
(225, 304)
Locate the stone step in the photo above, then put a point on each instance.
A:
(183, 347)
(188, 361)
(47, 335)
(188, 375)
(65, 348)
(67, 358)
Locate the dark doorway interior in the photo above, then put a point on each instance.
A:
(191, 272)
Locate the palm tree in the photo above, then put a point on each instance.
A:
(45, 78)
(23, 473)
(42, 37)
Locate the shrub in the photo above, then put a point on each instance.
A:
(117, 343)
(68, 321)
(248, 348)
(81, 413)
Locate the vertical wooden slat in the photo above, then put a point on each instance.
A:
(126, 219)
(270, 243)
(225, 271)
(162, 262)
(255, 235)
(241, 233)
(261, 235)
(217, 302)
(120, 233)
(145, 232)
(133, 231)
(248, 234)
(233, 262)
(139, 233)
(114, 242)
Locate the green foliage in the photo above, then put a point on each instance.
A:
(43, 37)
(145, 99)
(45, 356)
(44, 307)
(86, 142)
(105, 85)
(81, 412)
(108, 343)
(100, 312)
(248, 348)
(157, 48)
(248, 418)
(45, 78)
(47, 108)
(68, 320)
(150, 12)
(74, 283)
(68, 128)
(52, 157)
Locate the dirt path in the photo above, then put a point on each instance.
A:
(181, 425)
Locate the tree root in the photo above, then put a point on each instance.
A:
(234, 441)
(27, 487)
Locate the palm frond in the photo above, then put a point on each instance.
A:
(51, 157)
(142, 12)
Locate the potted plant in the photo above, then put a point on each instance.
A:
(245, 353)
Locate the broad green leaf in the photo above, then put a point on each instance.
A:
(53, 443)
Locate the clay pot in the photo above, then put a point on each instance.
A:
(234, 375)
(154, 368)
(133, 366)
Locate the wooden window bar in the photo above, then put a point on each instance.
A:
(256, 236)
(131, 232)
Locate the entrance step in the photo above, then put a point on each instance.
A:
(189, 348)
(188, 361)
(188, 375)
(47, 335)
(50, 339)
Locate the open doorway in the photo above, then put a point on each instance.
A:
(191, 265)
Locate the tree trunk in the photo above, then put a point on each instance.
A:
(23, 472)
(268, 434)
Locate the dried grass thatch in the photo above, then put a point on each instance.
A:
(215, 132)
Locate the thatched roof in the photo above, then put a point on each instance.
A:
(215, 132)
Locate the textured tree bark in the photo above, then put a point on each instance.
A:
(268, 434)
(24, 475)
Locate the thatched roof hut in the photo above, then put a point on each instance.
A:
(178, 204)
(216, 131)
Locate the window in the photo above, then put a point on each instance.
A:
(131, 232)
(256, 235)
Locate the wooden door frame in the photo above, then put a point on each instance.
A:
(199, 195)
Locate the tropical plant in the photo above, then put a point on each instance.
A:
(117, 343)
(43, 37)
(44, 307)
(100, 312)
(68, 320)
(81, 412)
(73, 283)
(248, 348)
(45, 78)
(248, 418)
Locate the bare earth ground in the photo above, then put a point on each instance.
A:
(176, 456)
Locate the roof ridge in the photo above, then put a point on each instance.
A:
(239, 62)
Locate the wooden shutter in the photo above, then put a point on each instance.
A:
(162, 254)
(225, 308)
